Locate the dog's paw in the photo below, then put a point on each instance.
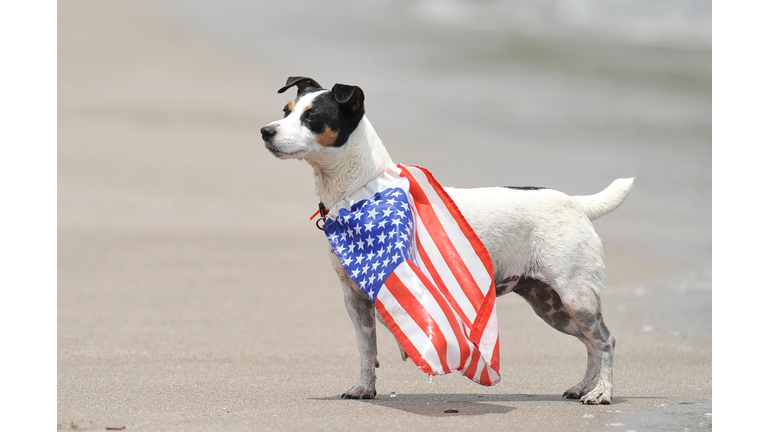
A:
(600, 395)
(359, 392)
(576, 392)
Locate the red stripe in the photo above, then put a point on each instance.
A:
(466, 228)
(408, 347)
(482, 318)
(443, 242)
(420, 316)
(448, 311)
(495, 359)
(471, 370)
(485, 379)
(440, 284)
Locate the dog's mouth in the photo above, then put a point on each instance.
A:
(281, 154)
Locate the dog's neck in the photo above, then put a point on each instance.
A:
(340, 173)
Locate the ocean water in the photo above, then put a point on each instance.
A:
(568, 94)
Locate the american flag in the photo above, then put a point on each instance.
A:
(409, 249)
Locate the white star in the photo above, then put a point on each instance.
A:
(355, 273)
(358, 259)
(386, 262)
(375, 265)
(370, 240)
(391, 201)
(368, 226)
(399, 245)
(370, 255)
(360, 245)
(397, 222)
(382, 223)
(401, 214)
(347, 261)
(392, 233)
(396, 193)
(380, 252)
(357, 214)
(370, 294)
(357, 229)
(381, 275)
(365, 269)
(372, 213)
(387, 212)
(381, 237)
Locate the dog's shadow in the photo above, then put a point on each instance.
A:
(440, 405)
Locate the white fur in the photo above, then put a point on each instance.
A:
(543, 237)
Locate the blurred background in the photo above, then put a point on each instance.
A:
(193, 291)
(567, 94)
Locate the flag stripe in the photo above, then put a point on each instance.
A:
(456, 327)
(384, 307)
(440, 270)
(427, 213)
(469, 232)
(420, 315)
(463, 243)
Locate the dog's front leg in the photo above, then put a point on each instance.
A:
(362, 313)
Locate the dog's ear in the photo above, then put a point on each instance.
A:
(350, 99)
(301, 83)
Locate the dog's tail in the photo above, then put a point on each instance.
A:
(606, 201)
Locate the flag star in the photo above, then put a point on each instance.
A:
(399, 245)
(381, 274)
(357, 229)
(404, 236)
(370, 294)
(371, 279)
(389, 247)
(347, 217)
(405, 205)
(370, 255)
(372, 213)
(387, 211)
(397, 222)
(358, 259)
(380, 252)
(341, 249)
(382, 223)
(370, 240)
(363, 283)
(381, 237)
(401, 213)
(355, 273)
(365, 269)
(343, 235)
(360, 245)
(392, 233)
(347, 261)
(368, 226)
(375, 265)
(396, 193)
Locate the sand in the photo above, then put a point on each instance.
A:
(194, 293)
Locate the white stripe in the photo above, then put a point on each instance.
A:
(443, 270)
(490, 336)
(451, 226)
(427, 300)
(410, 329)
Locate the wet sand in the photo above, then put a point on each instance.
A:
(194, 294)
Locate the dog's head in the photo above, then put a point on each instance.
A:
(317, 120)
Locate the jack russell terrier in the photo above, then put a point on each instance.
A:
(541, 241)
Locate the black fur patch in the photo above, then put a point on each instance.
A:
(526, 187)
(325, 111)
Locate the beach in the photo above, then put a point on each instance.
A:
(194, 293)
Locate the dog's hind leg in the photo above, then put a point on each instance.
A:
(578, 315)
(362, 313)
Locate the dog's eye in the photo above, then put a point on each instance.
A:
(310, 115)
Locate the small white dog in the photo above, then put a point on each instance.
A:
(541, 241)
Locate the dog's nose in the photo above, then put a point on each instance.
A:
(267, 132)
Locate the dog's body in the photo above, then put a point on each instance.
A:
(541, 241)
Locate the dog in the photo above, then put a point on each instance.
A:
(541, 241)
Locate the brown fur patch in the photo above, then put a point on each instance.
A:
(327, 137)
(291, 105)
